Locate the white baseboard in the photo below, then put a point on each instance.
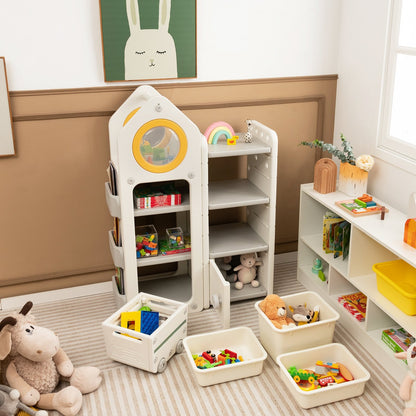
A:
(17, 302)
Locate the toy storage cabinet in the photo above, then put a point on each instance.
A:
(198, 280)
(256, 193)
(372, 241)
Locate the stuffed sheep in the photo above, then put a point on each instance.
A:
(33, 363)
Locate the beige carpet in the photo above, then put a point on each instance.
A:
(127, 391)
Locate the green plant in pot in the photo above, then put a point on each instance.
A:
(353, 172)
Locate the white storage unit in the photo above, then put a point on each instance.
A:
(279, 341)
(240, 340)
(372, 241)
(147, 352)
(196, 279)
(306, 359)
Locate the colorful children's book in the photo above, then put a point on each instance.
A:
(397, 339)
(355, 304)
(327, 235)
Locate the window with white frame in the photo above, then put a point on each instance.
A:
(397, 138)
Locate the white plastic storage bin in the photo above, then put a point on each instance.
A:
(147, 352)
(240, 340)
(279, 341)
(306, 359)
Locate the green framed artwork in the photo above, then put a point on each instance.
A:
(148, 39)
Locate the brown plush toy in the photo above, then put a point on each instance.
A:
(33, 363)
(275, 309)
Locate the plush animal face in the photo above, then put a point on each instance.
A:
(248, 260)
(21, 335)
(301, 313)
(273, 307)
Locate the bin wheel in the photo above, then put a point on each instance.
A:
(161, 367)
(179, 347)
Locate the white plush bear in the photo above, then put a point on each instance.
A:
(247, 271)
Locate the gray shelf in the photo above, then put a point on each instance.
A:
(234, 193)
(239, 149)
(178, 288)
(232, 239)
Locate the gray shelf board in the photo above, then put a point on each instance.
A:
(163, 259)
(234, 238)
(184, 206)
(177, 288)
(222, 149)
(234, 193)
(247, 292)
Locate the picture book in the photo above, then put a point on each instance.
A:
(355, 304)
(398, 340)
(328, 233)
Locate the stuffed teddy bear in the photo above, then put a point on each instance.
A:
(10, 403)
(246, 271)
(33, 363)
(274, 308)
(302, 315)
(407, 390)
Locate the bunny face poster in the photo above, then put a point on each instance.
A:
(148, 39)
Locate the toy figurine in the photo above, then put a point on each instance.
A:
(10, 403)
(407, 390)
(247, 271)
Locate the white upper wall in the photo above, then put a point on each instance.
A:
(362, 48)
(52, 44)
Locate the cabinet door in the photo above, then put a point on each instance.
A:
(219, 293)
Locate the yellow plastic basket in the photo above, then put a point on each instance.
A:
(396, 280)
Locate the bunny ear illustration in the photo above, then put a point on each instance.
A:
(133, 15)
(164, 14)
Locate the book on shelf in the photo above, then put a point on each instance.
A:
(355, 304)
(397, 339)
(335, 235)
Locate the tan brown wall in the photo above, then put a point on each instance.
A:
(54, 220)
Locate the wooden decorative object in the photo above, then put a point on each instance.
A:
(325, 176)
(410, 232)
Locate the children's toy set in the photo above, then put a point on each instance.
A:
(159, 167)
(146, 332)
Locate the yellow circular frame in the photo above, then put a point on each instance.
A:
(159, 122)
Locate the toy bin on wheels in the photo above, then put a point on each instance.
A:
(140, 350)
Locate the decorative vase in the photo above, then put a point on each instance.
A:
(352, 180)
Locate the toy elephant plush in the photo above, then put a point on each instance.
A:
(33, 363)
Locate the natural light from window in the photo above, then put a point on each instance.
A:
(398, 134)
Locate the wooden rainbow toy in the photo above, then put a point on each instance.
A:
(217, 130)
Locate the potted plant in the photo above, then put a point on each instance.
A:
(353, 172)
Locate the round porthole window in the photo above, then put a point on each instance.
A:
(159, 145)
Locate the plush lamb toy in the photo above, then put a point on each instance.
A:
(274, 307)
(10, 404)
(408, 387)
(33, 363)
(246, 271)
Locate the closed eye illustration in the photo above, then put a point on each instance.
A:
(149, 53)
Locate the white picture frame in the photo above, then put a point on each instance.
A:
(6, 127)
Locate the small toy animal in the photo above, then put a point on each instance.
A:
(149, 53)
(248, 136)
(10, 403)
(407, 390)
(274, 307)
(33, 363)
(302, 315)
(246, 271)
(227, 265)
